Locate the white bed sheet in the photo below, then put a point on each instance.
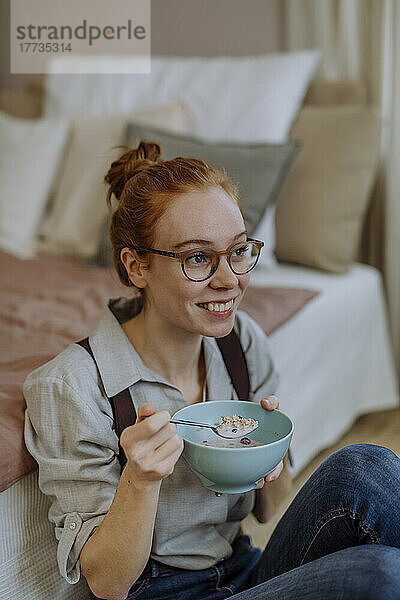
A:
(28, 548)
(334, 356)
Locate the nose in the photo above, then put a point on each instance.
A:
(224, 276)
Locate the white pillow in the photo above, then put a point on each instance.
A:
(243, 99)
(30, 153)
(75, 222)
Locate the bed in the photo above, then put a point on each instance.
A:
(334, 353)
(328, 380)
(323, 309)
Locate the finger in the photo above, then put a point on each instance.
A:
(145, 410)
(150, 425)
(167, 454)
(260, 484)
(167, 465)
(155, 441)
(169, 447)
(274, 474)
(270, 402)
(153, 469)
(150, 451)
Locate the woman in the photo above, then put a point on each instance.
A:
(153, 531)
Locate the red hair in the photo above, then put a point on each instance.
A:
(145, 185)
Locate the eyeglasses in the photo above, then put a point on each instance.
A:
(201, 263)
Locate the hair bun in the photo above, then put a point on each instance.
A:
(129, 164)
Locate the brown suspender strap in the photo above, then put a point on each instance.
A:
(122, 407)
(235, 361)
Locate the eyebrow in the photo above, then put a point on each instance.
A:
(206, 242)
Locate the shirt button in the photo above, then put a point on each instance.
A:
(72, 525)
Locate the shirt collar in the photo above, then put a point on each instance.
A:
(119, 364)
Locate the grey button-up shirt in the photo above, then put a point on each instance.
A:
(69, 430)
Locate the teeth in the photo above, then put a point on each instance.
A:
(218, 307)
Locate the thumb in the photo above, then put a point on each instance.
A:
(270, 402)
(145, 410)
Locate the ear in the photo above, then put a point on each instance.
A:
(135, 267)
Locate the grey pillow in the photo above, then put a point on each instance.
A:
(259, 169)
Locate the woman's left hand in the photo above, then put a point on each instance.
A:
(270, 403)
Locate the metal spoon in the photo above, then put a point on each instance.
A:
(224, 433)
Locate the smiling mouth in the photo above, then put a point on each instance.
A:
(217, 306)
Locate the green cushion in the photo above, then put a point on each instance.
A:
(259, 169)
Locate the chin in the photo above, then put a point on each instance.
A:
(219, 330)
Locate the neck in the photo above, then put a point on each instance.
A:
(172, 352)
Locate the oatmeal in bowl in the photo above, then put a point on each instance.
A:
(236, 426)
(233, 465)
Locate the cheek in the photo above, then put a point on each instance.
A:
(170, 289)
(244, 281)
(164, 277)
(191, 292)
(172, 292)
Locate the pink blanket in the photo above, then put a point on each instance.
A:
(47, 303)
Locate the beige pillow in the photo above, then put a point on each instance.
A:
(25, 104)
(323, 201)
(74, 224)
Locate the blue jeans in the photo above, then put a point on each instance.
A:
(338, 540)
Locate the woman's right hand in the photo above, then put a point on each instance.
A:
(152, 446)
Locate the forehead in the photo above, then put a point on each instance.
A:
(210, 214)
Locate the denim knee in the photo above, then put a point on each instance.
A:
(362, 458)
(378, 572)
(363, 473)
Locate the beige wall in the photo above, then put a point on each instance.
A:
(189, 27)
(216, 27)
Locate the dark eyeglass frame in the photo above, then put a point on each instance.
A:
(181, 256)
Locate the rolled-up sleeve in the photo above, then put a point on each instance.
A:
(69, 431)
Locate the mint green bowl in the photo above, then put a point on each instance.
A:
(233, 470)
